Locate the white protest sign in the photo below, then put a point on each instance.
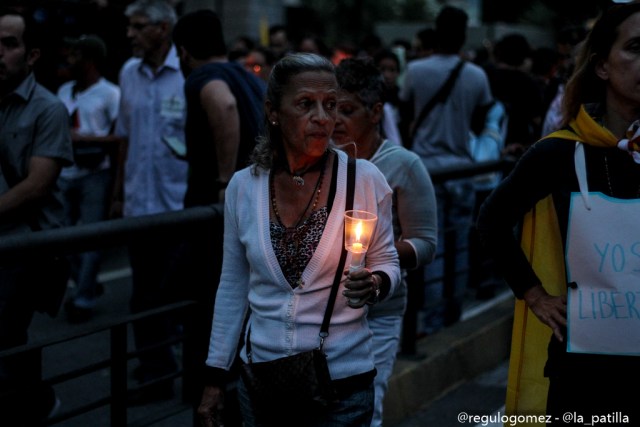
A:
(603, 259)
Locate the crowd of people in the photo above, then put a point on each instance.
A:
(289, 137)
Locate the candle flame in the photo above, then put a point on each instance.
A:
(358, 230)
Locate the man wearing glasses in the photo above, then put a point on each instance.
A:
(152, 175)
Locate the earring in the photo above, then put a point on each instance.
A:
(274, 123)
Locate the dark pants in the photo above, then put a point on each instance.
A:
(197, 271)
(151, 262)
(352, 410)
(23, 396)
(165, 273)
(17, 305)
(594, 396)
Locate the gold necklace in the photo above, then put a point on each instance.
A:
(606, 171)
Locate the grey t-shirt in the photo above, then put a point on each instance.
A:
(33, 123)
(442, 138)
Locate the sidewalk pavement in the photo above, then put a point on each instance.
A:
(452, 358)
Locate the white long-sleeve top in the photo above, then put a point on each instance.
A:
(286, 321)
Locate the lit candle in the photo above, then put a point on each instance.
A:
(358, 229)
(357, 252)
(357, 257)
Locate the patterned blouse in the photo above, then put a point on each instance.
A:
(294, 247)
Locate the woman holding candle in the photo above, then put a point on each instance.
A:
(284, 226)
(360, 109)
(578, 191)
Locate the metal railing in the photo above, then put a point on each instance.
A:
(114, 233)
(105, 234)
(116, 362)
(119, 232)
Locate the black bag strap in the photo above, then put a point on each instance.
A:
(324, 329)
(351, 183)
(440, 96)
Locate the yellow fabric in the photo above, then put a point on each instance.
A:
(526, 385)
(586, 130)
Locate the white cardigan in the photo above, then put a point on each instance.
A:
(286, 321)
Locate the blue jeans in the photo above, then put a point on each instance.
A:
(354, 410)
(386, 339)
(443, 304)
(85, 200)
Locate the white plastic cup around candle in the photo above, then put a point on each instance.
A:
(358, 229)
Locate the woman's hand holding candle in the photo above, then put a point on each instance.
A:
(358, 287)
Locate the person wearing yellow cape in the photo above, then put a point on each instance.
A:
(572, 192)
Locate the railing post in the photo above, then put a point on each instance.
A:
(449, 274)
(190, 390)
(119, 375)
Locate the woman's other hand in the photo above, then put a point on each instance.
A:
(550, 310)
(211, 406)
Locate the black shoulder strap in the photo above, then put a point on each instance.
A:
(351, 182)
(440, 96)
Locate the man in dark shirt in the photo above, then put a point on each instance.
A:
(224, 107)
(224, 117)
